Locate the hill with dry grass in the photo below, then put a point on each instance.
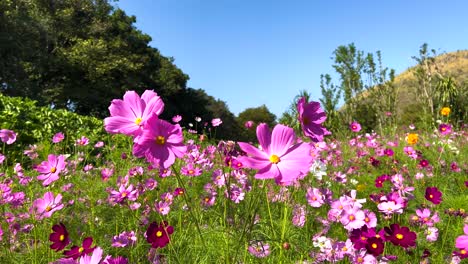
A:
(454, 64)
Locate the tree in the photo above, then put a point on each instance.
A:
(258, 115)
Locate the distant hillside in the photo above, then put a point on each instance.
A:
(454, 64)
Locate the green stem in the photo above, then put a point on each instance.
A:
(187, 199)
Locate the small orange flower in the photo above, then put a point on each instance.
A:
(412, 138)
(445, 111)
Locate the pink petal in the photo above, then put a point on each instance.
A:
(253, 151)
(282, 138)
(269, 172)
(461, 242)
(264, 137)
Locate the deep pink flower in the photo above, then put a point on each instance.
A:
(158, 234)
(160, 142)
(279, 158)
(58, 137)
(46, 206)
(128, 116)
(7, 136)
(75, 252)
(445, 129)
(59, 237)
(400, 236)
(433, 195)
(311, 116)
(355, 126)
(51, 169)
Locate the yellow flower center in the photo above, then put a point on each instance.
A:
(62, 237)
(159, 234)
(374, 245)
(360, 260)
(351, 217)
(160, 140)
(81, 249)
(431, 196)
(367, 220)
(191, 172)
(274, 159)
(138, 121)
(443, 128)
(399, 236)
(53, 169)
(124, 194)
(344, 248)
(463, 252)
(48, 208)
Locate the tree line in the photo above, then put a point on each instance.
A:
(80, 54)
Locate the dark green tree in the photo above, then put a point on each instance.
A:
(258, 115)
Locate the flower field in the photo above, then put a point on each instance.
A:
(151, 191)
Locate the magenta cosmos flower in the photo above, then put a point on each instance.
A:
(85, 249)
(160, 142)
(279, 158)
(59, 237)
(49, 170)
(158, 234)
(433, 195)
(445, 129)
(311, 117)
(355, 126)
(400, 236)
(44, 207)
(58, 137)
(129, 115)
(7, 136)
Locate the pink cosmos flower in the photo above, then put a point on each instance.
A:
(124, 239)
(176, 119)
(46, 206)
(311, 117)
(51, 169)
(58, 137)
(355, 126)
(353, 218)
(462, 241)
(123, 194)
(390, 207)
(216, 122)
(314, 197)
(259, 249)
(249, 124)
(7, 136)
(128, 116)
(83, 141)
(432, 233)
(160, 142)
(279, 158)
(94, 258)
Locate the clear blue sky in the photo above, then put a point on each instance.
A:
(253, 52)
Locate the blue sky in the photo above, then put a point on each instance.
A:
(253, 52)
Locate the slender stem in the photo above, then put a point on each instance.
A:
(187, 199)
